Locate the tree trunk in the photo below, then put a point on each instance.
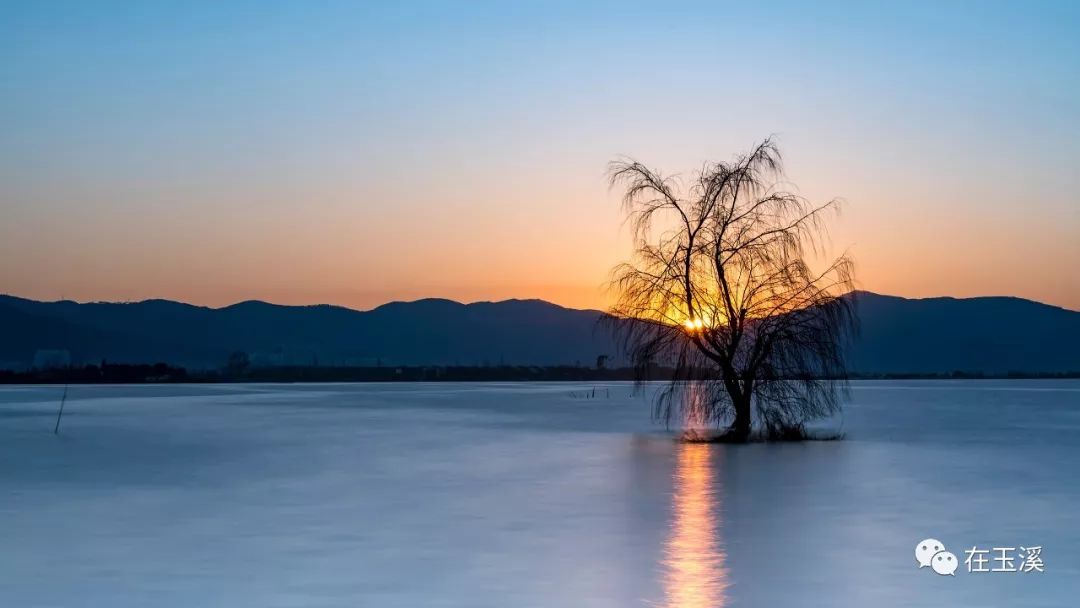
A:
(740, 428)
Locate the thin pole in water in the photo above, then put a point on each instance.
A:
(56, 429)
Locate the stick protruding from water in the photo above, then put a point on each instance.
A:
(56, 429)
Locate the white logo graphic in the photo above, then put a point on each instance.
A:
(945, 563)
(924, 551)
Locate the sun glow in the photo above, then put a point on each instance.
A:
(693, 325)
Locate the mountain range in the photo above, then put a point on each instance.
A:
(898, 335)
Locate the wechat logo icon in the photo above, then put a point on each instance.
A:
(931, 552)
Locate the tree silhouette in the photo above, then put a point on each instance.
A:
(719, 288)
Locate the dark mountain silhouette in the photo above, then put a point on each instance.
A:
(989, 334)
(899, 335)
(425, 332)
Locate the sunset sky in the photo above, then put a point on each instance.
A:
(355, 153)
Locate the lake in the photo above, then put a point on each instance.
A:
(521, 495)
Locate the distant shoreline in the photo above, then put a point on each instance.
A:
(160, 373)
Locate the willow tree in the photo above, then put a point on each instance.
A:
(720, 288)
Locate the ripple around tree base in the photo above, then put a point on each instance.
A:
(799, 433)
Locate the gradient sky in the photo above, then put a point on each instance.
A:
(355, 153)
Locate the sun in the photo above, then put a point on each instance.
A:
(693, 325)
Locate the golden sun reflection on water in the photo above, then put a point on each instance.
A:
(695, 576)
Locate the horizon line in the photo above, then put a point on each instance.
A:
(460, 303)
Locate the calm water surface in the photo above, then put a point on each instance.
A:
(519, 495)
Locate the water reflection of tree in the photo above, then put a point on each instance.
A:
(695, 576)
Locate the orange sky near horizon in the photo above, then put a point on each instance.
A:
(514, 243)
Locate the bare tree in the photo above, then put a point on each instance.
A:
(719, 288)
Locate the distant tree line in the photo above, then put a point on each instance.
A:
(104, 373)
